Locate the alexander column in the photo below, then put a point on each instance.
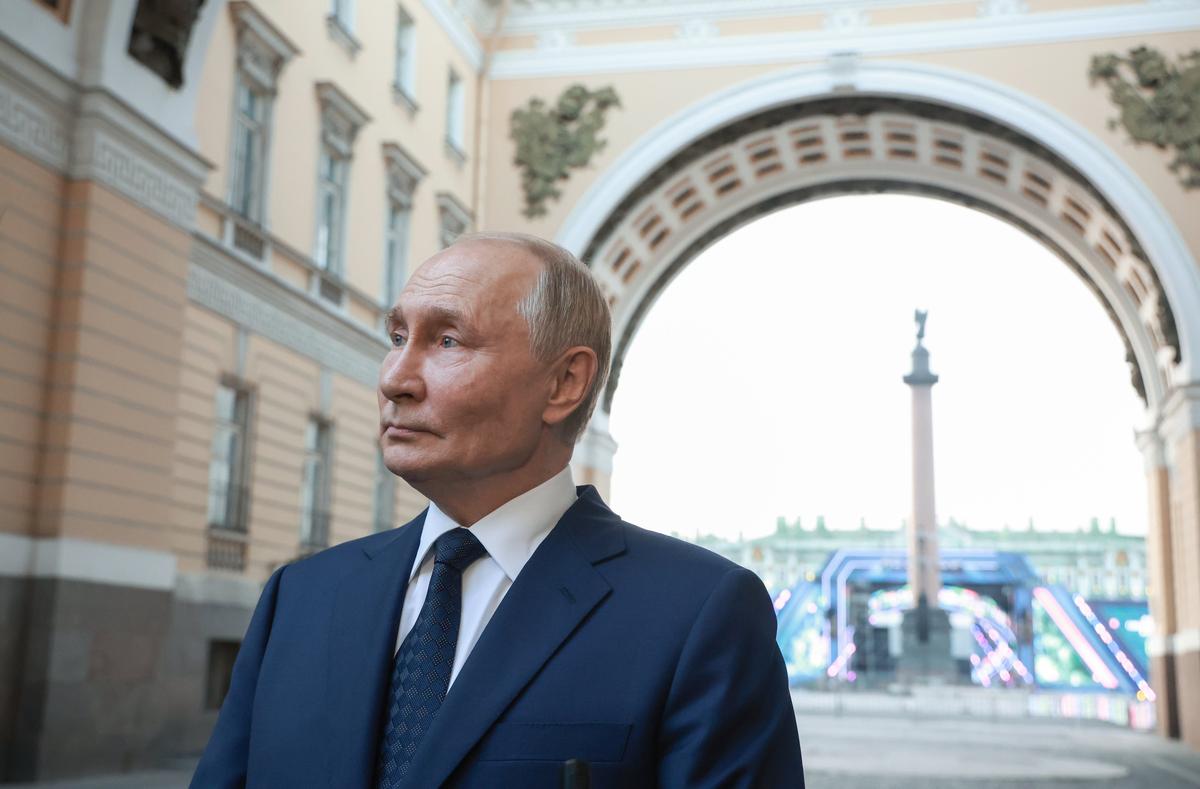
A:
(926, 629)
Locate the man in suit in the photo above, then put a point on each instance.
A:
(517, 622)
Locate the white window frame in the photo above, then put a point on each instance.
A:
(332, 169)
(341, 21)
(229, 463)
(456, 116)
(341, 120)
(315, 486)
(262, 53)
(405, 66)
(403, 176)
(246, 191)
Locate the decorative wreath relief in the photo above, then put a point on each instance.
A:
(551, 141)
(1162, 105)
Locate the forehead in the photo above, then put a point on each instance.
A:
(475, 276)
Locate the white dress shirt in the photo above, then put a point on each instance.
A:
(510, 533)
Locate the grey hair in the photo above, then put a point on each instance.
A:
(564, 308)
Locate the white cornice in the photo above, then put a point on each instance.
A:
(336, 99)
(246, 15)
(34, 118)
(975, 33)
(459, 31)
(449, 204)
(535, 16)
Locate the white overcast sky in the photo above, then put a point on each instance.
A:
(766, 380)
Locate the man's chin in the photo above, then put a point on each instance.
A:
(413, 470)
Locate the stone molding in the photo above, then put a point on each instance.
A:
(454, 218)
(67, 558)
(976, 32)
(31, 122)
(217, 589)
(1180, 413)
(262, 304)
(403, 171)
(104, 154)
(341, 118)
(91, 134)
(263, 50)
(456, 27)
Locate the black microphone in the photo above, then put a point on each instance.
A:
(576, 774)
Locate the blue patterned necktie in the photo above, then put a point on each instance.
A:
(421, 669)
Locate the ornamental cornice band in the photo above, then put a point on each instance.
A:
(230, 289)
(33, 126)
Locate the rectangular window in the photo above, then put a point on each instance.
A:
(454, 112)
(249, 151)
(228, 493)
(331, 197)
(385, 496)
(315, 486)
(395, 251)
(405, 60)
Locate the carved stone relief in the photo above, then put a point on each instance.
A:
(1160, 105)
(553, 140)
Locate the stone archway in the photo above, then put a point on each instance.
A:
(880, 127)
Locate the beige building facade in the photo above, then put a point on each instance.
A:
(203, 221)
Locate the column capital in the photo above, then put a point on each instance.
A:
(1150, 442)
(596, 448)
(1180, 412)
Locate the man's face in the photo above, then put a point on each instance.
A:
(460, 395)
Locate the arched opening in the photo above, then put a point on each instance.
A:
(872, 144)
(880, 127)
(763, 394)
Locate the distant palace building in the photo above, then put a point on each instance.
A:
(1098, 563)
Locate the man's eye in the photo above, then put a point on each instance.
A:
(398, 340)
(449, 342)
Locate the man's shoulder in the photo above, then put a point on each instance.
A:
(673, 556)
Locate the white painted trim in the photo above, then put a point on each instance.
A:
(790, 47)
(524, 19)
(1130, 197)
(217, 589)
(69, 559)
(16, 555)
(1181, 413)
(1158, 644)
(459, 32)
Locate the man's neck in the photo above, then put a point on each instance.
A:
(467, 501)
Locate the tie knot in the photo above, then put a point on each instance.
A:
(458, 548)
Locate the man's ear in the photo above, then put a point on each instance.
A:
(573, 373)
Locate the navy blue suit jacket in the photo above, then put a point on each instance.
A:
(650, 658)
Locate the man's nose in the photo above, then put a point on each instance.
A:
(400, 375)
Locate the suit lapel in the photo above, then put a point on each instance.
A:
(555, 591)
(366, 614)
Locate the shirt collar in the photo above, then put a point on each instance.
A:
(511, 532)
